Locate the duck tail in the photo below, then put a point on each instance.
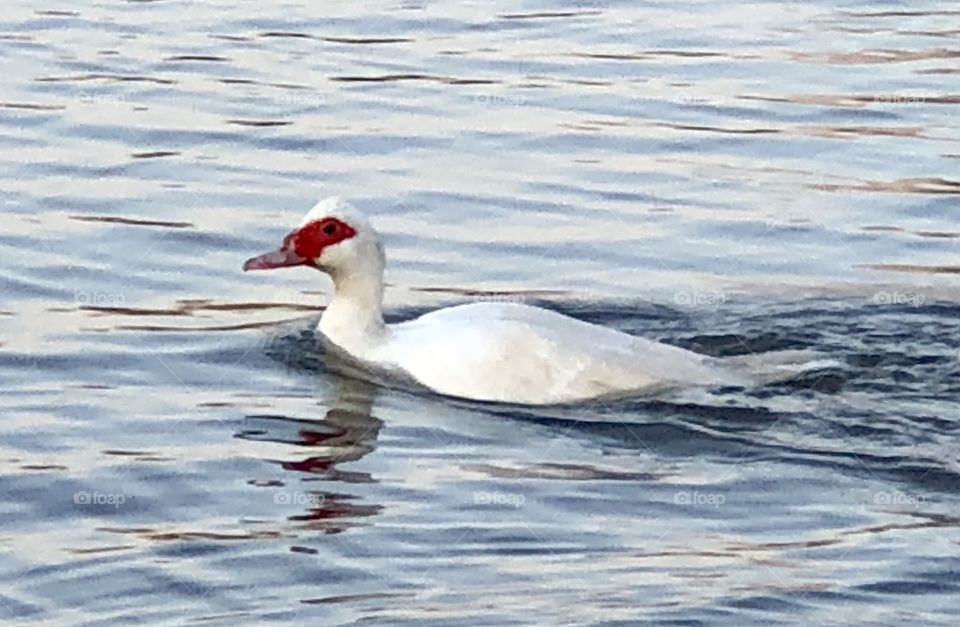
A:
(774, 366)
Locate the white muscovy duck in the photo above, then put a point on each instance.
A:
(505, 352)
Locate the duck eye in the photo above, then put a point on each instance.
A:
(330, 228)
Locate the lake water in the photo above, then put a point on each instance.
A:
(728, 178)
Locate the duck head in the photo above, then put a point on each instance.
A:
(333, 237)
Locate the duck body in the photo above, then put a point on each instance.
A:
(502, 352)
(509, 352)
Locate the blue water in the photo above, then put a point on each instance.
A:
(728, 178)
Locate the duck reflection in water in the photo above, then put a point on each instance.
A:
(346, 433)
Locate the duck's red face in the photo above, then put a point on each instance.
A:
(303, 246)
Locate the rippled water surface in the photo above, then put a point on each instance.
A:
(731, 178)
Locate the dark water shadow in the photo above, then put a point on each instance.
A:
(726, 425)
(320, 447)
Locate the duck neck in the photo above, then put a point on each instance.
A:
(355, 315)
